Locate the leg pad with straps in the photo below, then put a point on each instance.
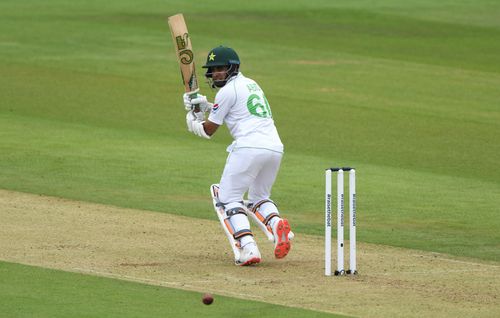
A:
(242, 232)
(224, 221)
(223, 215)
(261, 220)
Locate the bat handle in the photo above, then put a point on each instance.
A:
(197, 106)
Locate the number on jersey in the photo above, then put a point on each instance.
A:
(258, 105)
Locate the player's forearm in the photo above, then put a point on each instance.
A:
(210, 127)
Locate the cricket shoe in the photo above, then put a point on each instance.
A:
(281, 232)
(249, 255)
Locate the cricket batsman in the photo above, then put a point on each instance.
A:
(254, 156)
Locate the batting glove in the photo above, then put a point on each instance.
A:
(187, 101)
(194, 123)
(191, 100)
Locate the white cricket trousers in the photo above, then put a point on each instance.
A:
(253, 170)
(248, 169)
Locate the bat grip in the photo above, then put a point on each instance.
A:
(197, 106)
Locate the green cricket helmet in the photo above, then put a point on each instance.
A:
(221, 56)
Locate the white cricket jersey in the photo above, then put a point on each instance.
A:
(242, 105)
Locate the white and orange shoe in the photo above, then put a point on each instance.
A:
(282, 236)
(249, 255)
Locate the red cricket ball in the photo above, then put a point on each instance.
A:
(207, 299)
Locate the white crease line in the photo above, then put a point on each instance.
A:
(165, 283)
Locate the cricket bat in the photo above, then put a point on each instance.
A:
(184, 53)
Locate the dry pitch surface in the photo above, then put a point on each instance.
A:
(193, 254)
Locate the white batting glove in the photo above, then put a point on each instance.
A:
(187, 101)
(200, 116)
(202, 102)
(195, 122)
(190, 118)
(193, 99)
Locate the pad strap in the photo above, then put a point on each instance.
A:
(255, 210)
(238, 235)
(234, 211)
(223, 205)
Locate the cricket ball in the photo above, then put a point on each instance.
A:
(207, 299)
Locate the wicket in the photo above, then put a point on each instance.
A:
(340, 221)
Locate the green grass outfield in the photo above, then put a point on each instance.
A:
(36, 292)
(407, 92)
